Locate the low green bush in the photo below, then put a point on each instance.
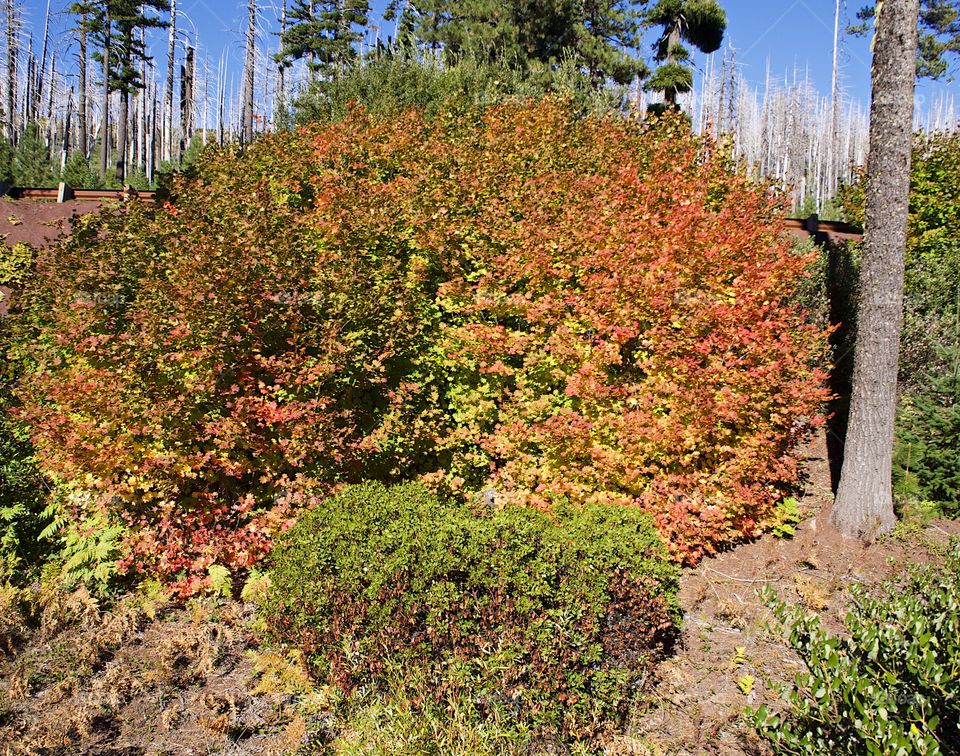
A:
(23, 490)
(545, 619)
(891, 685)
(926, 463)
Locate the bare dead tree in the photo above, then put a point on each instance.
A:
(246, 124)
(43, 64)
(105, 117)
(13, 51)
(167, 137)
(186, 100)
(82, 95)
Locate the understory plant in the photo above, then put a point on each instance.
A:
(547, 621)
(890, 684)
(927, 458)
(521, 301)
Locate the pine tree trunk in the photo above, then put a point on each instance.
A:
(187, 88)
(864, 504)
(246, 127)
(673, 41)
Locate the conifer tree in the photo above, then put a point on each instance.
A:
(598, 35)
(79, 174)
(6, 162)
(700, 23)
(939, 30)
(325, 32)
(605, 31)
(31, 163)
(115, 27)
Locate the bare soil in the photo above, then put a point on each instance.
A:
(698, 703)
(150, 677)
(38, 223)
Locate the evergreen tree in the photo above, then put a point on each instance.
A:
(325, 32)
(121, 21)
(6, 162)
(605, 32)
(79, 174)
(939, 29)
(31, 163)
(598, 35)
(130, 18)
(927, 458)
(700, 23)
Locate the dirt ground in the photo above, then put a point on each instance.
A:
(38, 223)
(698, 702)
(148, 677)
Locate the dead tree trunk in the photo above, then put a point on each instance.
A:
(864, 504)
(121, 157)
(246, 127)
(186, 100)
(43, 64)
(167, 136)
(105, 130)
(82, 95)
(281, 67)
(10, 89)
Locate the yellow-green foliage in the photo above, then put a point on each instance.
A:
(15, 264)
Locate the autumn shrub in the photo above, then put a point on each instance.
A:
(542, 619)
(889, 684)
(554, 308)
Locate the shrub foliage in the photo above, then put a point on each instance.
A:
(889, 686)
(544, 619)
(558, 309)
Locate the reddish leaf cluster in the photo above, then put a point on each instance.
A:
(552, 307)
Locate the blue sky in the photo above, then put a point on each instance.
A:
(787, 34)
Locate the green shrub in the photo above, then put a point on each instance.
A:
(546, 619)
(22, 488)
(890, 686)
(927, 459)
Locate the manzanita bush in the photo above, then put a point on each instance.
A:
(523, 302)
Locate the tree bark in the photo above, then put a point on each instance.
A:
(167, 136)
(82, 96)
(246, 127)
(673, 41)
(12, 52)
(43, 64)
(121, 157)
(864, 504)
(281, 69)
(105, 131)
